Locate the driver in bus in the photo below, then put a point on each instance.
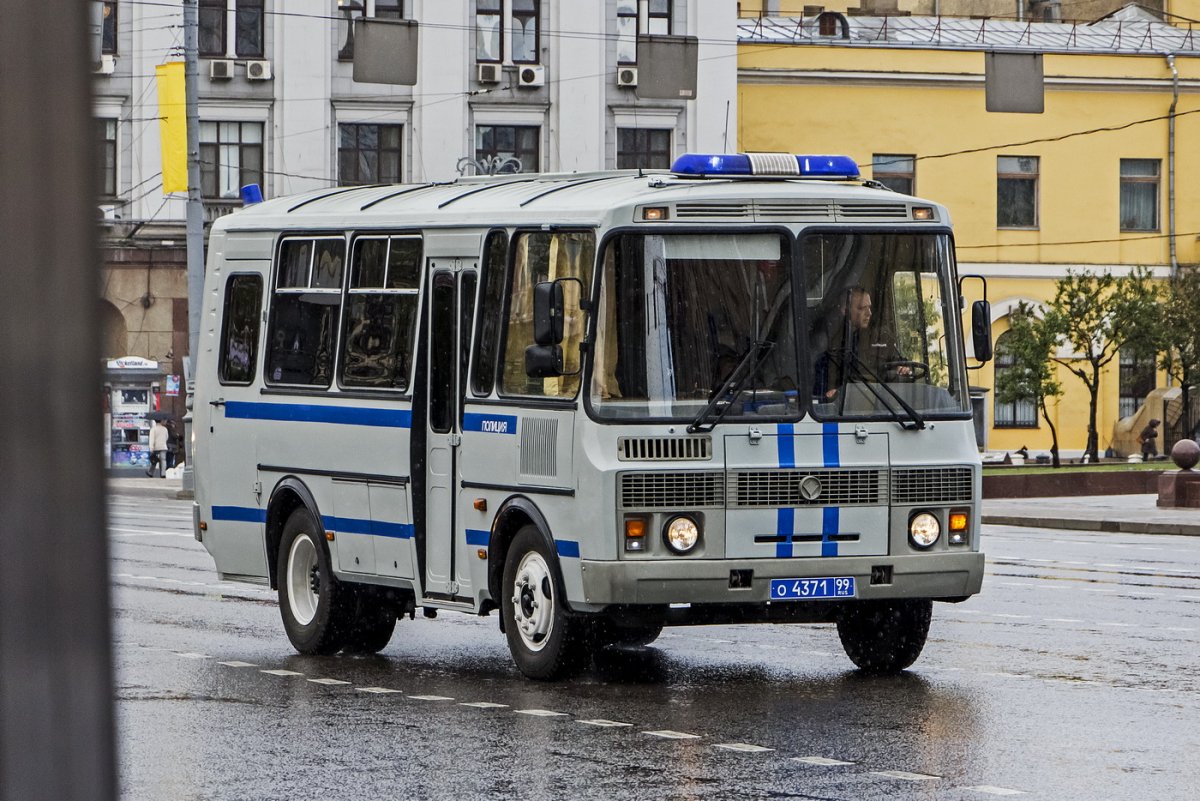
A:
(856, 357)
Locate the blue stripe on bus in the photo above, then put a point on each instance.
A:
(490, 423)
(830, 521)
(479, 537)
(784, 527)
(567, 548)
(377, 528)
(786, 444)
(239, 514)
(314, 413)
(829, 445)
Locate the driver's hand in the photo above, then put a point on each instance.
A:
(904, 370)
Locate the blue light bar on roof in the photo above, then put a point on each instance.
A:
(779, 164)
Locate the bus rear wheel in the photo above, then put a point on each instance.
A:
(884, 636)
(608, 633)
(545, 640)
(371, 625)
(313, 603)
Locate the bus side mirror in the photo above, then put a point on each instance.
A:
(548, 314)
(544, 361)
(981, 329)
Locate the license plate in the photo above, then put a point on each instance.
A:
(804, 589)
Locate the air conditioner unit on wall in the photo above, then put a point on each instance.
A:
(627, 76)
(531, 75)
(107, 64)
(220, 69)
(488, 73)
(258, 70)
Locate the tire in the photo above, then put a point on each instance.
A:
(884, 636)
(608, 633)
(545, 640)
(314, 605)
(371, 624)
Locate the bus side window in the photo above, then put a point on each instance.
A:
(491, 306)
(304, 311)
(546, 257)
(381, 312)
(239, 333)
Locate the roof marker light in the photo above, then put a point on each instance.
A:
(804, 166)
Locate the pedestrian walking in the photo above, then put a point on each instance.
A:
(1148, 440)
(158, 449)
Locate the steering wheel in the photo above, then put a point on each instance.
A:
(916, 370)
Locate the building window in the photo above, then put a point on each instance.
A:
(1018, 414)
(1137, 381)
(231, 156)
(389, 9)
(383, 9)
(896, 172)
(636, 17)
(1139, 194)
(1016, 192)
(369, 154)
(494, 144)
(494, 38)
(106, 134)
(108, 42)
(248, 18)
(643, 148)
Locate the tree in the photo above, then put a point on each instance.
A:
(1097, 316)
(1181, 337)
(1032, 375)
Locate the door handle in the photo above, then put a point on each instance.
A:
(217, 402)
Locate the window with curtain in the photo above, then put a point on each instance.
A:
(1018, 414)
(1139, 194)
(248, 36)
(108, 44)
(212, 28)
(895, 171)
(524, 31)
(489, 19)
(1016, 192)
(652, 17)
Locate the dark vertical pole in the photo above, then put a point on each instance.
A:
(56, 717)
(195, 220)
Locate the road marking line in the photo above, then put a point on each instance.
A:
(1176, 628)
(905, 775)
(430, 698)
(1062, 620)
(376, 690)
(541, 713)
(1120, 625)
(485, 705)
(282, 672)
(605, 723)
(328, 681)
(1014, 617)
(192, 655)
(667, 734)
(825, 761)
(236, 664)
(745, 748)
(990, 790)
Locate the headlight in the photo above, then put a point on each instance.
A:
(923, 529)
(681, 534)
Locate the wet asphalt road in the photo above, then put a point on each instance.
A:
(1073, 676)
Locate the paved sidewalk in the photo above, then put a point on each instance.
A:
(145, 487)
(1135, 514)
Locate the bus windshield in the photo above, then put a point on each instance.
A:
(681, 314)
(881, 310)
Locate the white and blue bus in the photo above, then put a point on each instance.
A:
(596, 403)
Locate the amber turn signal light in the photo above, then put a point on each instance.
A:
(958, 521)
(635, 527)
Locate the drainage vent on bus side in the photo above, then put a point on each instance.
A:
(664, 449)
(539, 446)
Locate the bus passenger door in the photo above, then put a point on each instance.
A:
(451, 304)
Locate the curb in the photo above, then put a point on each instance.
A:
(1107, 526)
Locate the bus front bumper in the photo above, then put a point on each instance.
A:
(698, 581)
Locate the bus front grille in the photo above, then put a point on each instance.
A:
(774, 489)
(672, 490)
(931, 485)
(664, 449)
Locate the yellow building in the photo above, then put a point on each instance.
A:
(1090, 183)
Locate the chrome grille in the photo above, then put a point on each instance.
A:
(932, 485)
(672, 490)
(664, 449)
(771, 489)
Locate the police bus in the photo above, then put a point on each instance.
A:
(596, 403)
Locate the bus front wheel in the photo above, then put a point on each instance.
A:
(313, 604)
(545, 640)
(884, 636)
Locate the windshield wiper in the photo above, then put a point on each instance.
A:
(916, 421)
(722, 400)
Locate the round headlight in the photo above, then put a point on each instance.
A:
(681, 534)
(924, 529)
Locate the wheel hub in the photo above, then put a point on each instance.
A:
(533, 601)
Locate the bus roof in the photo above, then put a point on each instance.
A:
(583, 199)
